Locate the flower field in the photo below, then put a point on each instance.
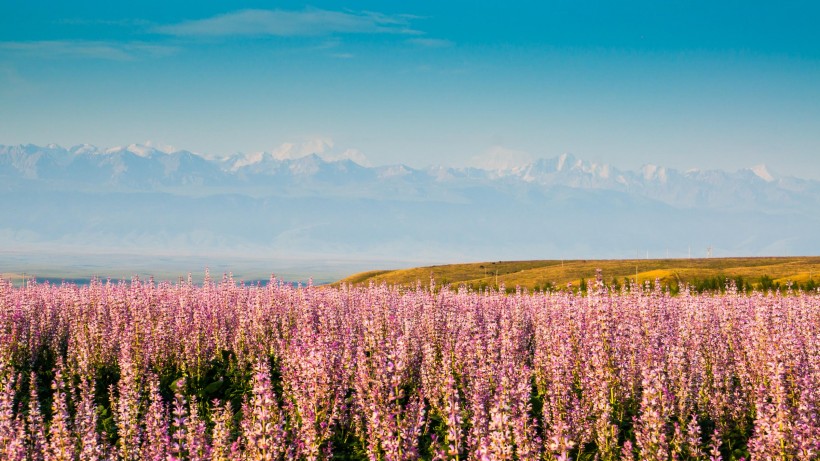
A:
(223, 371)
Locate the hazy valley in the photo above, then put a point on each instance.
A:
(87, 202)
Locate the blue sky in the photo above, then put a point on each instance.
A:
(682, 84)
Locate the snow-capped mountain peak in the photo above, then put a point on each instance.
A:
(161, 147)
(144, 150)
(145, 166)
(562, 160)
(239, 161)
(306, 200)
(140, 150)
(652, 172)
(81, 149)
(762, 172)
(136, 149)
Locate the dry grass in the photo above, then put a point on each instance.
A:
(537, 274)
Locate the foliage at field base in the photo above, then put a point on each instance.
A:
(146, 371)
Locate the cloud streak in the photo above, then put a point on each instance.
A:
(280, 23)
(12, 83)
(430, 42)
(101, 50)
(142, 23)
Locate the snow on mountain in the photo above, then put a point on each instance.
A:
(240, 161)
(353, 155)
(392, 171)
(152, 166)
(326, 199)
(562, 160)
(161, 147)
(84, 149)
(762, 172)
(653, 173)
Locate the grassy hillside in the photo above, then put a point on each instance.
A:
(702, 274)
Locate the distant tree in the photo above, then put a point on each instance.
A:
(811, 285)
(613, 285)
(674, 288)
(767, 284)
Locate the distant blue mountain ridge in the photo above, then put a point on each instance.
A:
(140, 198)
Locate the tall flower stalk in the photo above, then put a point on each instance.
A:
(141, 370)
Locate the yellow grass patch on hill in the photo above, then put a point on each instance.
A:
(556, 274)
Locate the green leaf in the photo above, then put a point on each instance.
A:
(212, 388)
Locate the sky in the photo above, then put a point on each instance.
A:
(684, 84)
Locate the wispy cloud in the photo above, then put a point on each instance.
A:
(73, 49)
(309, 22)
(12, 83)
(142, 23)
(431, 42)
(329, 44)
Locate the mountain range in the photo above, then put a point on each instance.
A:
(148, 199)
